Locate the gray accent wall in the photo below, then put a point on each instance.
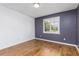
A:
(77, 26)
(67, 27)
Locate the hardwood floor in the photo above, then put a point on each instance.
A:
(39, 48)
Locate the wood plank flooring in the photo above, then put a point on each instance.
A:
(39, 48)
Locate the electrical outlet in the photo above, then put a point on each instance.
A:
(64, 39)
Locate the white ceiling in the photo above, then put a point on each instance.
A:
(44, 9)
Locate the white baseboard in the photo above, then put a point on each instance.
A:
(15, 44)
(59, 43)
(56, 42)
(77, 48)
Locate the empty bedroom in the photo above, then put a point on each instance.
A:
(39, 29)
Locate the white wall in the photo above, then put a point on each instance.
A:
(14, 27)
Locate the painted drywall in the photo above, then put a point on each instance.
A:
(77, 42)
(15, 27)
(67, 27)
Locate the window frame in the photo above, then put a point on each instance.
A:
(58, 32)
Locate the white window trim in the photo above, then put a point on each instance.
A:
(51, 32)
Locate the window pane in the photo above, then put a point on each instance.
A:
(54, 28)
(47, 26)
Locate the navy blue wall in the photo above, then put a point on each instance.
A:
(78, 25)
(67, 27)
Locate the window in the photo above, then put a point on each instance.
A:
(51, 25)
